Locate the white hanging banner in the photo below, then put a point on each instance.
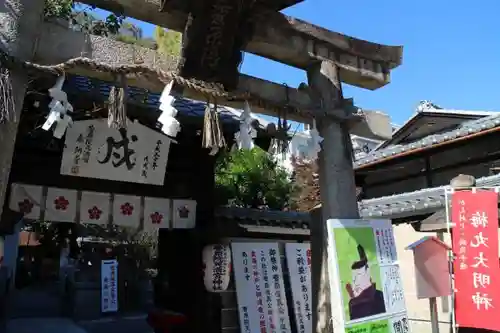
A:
(156, 213)
(26, 199)
(60, 205)
(109, 286)
(95, 208)
(127, 211)
(298, 258)
(260, 289)
(137, 155)
(184, 214)
(217, 267)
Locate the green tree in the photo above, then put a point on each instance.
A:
(253, 179)
(81, 18)
(58, 8)
(169, 42)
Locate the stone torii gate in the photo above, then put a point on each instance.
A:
(230, 26)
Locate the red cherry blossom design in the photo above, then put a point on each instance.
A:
(156, 218)
(61, 203)
(127, 209)
(94, 213)
(25, 206)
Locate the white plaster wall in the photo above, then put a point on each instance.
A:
(418, 310)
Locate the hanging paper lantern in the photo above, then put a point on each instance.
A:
(244, 138)
(170, 125)
(314, 142)
(217, 267)
(59, 108)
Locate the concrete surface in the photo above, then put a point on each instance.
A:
(130, 324)
(43, 325)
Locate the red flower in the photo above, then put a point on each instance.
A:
(156, 218)
(127, 209)
(94, 213)
(25, 206)
(61, 203)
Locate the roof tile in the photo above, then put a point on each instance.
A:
(467, 128)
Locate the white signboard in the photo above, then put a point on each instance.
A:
(298, 258)
(93, 150)
(260, 289)
(109, 286)
(365, 277)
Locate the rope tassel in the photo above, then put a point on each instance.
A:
(117, 105)
(7, 105)
(213, 137)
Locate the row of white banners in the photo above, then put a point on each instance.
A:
(366, 288)
(64, 205)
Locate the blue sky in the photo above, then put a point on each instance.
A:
(451, 51)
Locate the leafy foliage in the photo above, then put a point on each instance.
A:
(58, 8)
(253, 179)
(169, 41)
(81, 18)
(132, 34)
(144, 42)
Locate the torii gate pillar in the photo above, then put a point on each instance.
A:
(20, 22)
(337, 186)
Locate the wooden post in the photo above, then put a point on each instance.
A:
(337, 187)
(434, 315)
(20, 22)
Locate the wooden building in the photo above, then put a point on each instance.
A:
(407, 177)
(217, 34)
(189, 175)
(405, 180)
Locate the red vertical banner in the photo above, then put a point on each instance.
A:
(476, 265)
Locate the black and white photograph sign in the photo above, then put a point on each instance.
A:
(137, 154)
(260, 289)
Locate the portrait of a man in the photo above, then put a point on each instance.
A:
(365, 299)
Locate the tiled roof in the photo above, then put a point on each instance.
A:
(408, 204)
(265, 217)
(426, 201)
(467, 128)
(186, 107)
(421, 202)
